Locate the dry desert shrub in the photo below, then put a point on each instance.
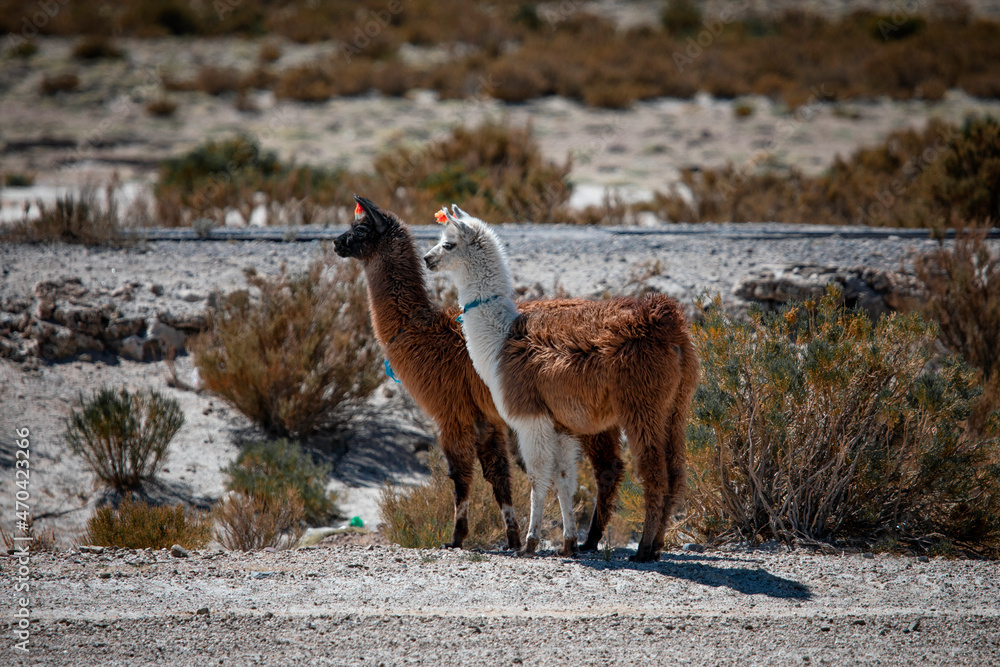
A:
(270, 469)
(496, 171)
(72, 218)
(962, 286)
(913, 179)
(136, 525)
(815, 424)
(161, 107)
(293, 352)
(226, 174)
(122, 435)
(251, 522)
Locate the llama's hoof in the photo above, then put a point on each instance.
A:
(529, 549)
(570, 548)
(451, 545)
(647, 557)
(588, 546)
(513, 542)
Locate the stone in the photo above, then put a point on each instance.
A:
(203, 611)
(133, 348)
(165, 335)
(177, 551)
(190, 295)
(693, 547)
(156, 289)
(878, 292)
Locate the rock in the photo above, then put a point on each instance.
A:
(133, 348)
(203, 611)
(104, 575)
(156, 289)
(913, 627)
(190, 295)
(868, 554)
(123, 327)
(923, 559)
(165, 335)
(878, 292)
(177, 551)
(693, 547)
(91, 549)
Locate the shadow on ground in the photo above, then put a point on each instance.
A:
(701, 569)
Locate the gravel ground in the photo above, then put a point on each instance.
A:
(381, 605)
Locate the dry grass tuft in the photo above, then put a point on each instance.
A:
(136, 525)
(422, 517)
(293, 352)
(78, 218)
(59, 83)
(251, 523)
(94, 47)
(161, 107)
(816, 424)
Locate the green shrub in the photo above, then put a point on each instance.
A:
(136, 525)
(269, 469)
(252, 522)
(815, 423)
(294, 352)
(122, 435)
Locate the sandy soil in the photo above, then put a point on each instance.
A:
(389, 606)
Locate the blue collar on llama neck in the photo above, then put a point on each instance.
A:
(472, 304)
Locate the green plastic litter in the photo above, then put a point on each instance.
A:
(357, 522)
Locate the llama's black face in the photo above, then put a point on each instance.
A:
(360, 241)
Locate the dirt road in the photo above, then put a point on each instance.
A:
(390, 606)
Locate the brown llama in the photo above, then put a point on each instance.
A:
(426, 352)
(577, 367)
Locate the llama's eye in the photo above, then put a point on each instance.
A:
(447, 246)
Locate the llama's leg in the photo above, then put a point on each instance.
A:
(459, 449)
(567, 474)
(676, 472)
(537, 440)
(605, 457)
(492, 450)
(646, 439)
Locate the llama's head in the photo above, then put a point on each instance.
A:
(468, 249)
(369, 227)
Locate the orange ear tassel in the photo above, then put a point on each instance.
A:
(441, 217)
(358, 210)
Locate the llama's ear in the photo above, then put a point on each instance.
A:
(374, 213)
(465, 230)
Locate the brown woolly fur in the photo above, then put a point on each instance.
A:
(426, 350)
(623, 362)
